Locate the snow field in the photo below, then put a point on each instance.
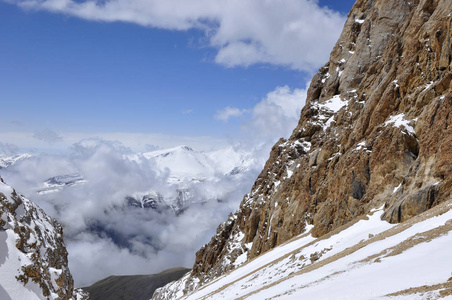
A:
(351, 264)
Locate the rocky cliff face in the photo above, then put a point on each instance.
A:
(376, 129)
(33, 257)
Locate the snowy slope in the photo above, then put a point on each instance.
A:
(12, 261)
(366, 259)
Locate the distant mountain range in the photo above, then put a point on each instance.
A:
(182, 166)
(186, 168)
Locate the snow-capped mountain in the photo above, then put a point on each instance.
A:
(7, 161)
(184, 164)
(149, 200)
(57, 183)
(187, 170)
(230, 161)
(181, 200)
(134, 203)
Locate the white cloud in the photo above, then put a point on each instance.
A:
(8, 149)
(104, 235)
(273, 117)
(229, 112)
(294, 33)
(278, 113)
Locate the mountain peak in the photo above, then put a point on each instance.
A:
(166, 152)
(186, 148)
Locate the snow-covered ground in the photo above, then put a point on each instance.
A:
(11, 261)
(370, 259)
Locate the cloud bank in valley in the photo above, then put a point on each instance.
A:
(104, 235)
(297, 34)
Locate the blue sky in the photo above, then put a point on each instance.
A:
(153, 70)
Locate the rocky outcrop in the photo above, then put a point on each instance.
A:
(375, 130)
(33, 253)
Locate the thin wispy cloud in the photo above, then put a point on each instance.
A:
(297, 34)
(8, 149)
(229, 112)
(16, 123)
(187, 111)
(47, 136)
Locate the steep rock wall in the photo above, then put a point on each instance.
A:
(375, 130)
